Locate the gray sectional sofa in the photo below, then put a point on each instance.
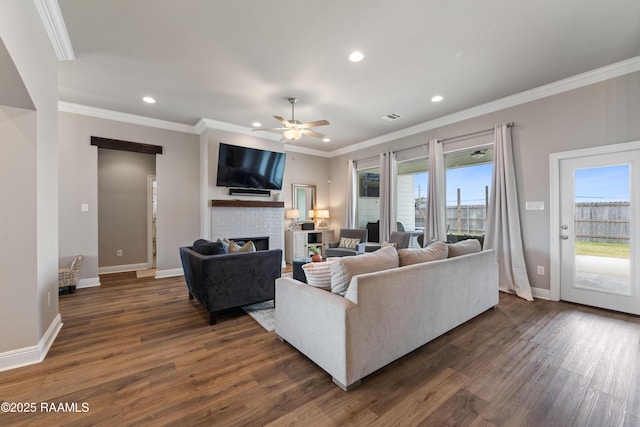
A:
(386, 314)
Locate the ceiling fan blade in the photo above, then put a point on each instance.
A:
(314, 124)
(312, 133)
(283, 121)
(270, 129)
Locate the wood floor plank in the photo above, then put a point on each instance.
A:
(140, 353)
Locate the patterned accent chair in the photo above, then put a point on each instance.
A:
(69, 276)
(334, 248)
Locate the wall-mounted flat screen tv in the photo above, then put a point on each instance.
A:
(369, 184)
(244, 167)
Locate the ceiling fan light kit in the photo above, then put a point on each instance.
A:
(293, 129)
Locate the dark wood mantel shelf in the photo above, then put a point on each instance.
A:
(247, 203)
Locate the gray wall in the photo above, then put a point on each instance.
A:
(123, 204)
(177, 174)
(28, 184)
(599, 114)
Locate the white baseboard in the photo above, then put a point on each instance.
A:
(123, 268)
(88, 283)
(541, 293)
(31, 355)
(173, 272)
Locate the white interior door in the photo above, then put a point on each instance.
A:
(597, 230)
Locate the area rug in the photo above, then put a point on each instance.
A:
(264, 313)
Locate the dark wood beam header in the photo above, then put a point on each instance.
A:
(247, 203)
(116, 144)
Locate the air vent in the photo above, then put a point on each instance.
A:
(391, 117)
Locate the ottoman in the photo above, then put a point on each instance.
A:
(298, 272)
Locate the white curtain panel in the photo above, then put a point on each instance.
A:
(352, 189)
(387, 195)
(435, 227)
(503, 232)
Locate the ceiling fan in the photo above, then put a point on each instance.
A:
(293, 129)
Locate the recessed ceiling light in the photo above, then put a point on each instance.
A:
(326, 140)
(256, 124)
(149, 100)
(437, 98)
(356, 56)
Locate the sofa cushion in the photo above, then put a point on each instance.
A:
(319, 273)
(348, 243)
(236, 248)
(464, 247)
(343, 269)
(435, 251)
(207, 247)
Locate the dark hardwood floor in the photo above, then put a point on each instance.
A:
(139, 352)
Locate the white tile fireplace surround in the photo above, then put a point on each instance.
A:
(247, 218)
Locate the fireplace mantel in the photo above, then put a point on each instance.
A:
(246, 203)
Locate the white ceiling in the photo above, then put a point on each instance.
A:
(238, 61)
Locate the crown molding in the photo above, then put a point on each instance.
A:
(117, 116)
(590, 77)
(53, 22)
(580, 80)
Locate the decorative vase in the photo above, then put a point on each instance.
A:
(316, 258)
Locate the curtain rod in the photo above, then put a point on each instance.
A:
(478, 132)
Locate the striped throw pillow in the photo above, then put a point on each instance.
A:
(318, 274)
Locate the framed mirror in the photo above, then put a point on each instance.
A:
(304, 199)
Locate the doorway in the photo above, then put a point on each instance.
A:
(594, 227)
(152, 199)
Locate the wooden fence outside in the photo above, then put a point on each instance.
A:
(594, 221)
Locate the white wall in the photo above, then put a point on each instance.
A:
(599, 114)
(29, 223)
(178, 179)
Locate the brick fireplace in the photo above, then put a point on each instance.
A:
(247, 218)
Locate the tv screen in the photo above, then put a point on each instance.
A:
(369, 184)
(243, 167)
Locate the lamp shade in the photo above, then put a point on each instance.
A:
(292, 214)
(322, 213)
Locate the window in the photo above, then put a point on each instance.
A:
(468, 179)
(411, 193)
(368, 196)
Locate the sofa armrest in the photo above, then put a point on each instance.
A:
(333, 244)
(315, 322)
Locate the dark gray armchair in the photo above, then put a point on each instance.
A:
(400, 238)
(225, 281)
(351, 233)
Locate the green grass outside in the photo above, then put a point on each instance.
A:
(611, 250)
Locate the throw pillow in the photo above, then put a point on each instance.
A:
(435, 251)
(464, 247)
(343, 269)
(235, 248)
(348, 243)
(206, 247)
(385, 244)
(318, 274)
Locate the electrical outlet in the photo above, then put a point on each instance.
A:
(119, 252)
(541, 270)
